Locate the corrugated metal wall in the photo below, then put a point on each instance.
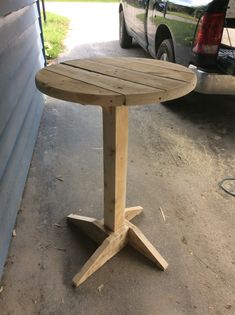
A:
(20, 106)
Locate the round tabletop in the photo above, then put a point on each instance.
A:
(116, 81)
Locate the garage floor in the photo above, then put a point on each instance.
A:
(177, 155)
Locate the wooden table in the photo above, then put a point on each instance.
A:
(115, 84)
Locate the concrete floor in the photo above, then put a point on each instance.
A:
(177, 155)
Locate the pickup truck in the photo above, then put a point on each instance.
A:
(195, 33)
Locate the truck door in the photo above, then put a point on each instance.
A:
(128, 13)
(156, 14)
(140, 10)
(182, 19)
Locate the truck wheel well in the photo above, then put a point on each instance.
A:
(162, 34)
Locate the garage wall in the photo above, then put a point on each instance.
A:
(21, 56)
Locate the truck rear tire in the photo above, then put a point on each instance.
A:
(125, 39)
(166, 51)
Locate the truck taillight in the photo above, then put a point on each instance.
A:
(209, 34)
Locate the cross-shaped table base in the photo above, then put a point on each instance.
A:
(112, 242)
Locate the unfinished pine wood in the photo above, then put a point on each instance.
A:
(146, 61)
(91, 227)
(132, 212)
(143, 65)
(113, 242)
(116, 81)
(64, 88)
(129, 75)
(110, 246)
(115, 139)
(142, 244)
(133, 92)
(114, 84)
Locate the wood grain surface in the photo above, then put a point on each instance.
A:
(116, 81)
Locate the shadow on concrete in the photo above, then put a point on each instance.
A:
(209, 112)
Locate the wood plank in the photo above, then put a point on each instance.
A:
(90, 226)
(132, 212)
(147, 61)
(162, 64)
(81, 92)
(115, 139)
(144, 79)
(72, 90)
(151, 66)
(110, 247)
(132, 91)
(142, 244)
(117, 85)
(159, 63)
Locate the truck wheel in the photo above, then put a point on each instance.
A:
(165, 51)
(125, 39)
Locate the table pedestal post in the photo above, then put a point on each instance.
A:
(115, 141)
(115, 231)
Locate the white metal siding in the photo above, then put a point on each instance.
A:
(21, 106)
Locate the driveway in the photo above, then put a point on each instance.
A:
(93, 30)
(178, 153)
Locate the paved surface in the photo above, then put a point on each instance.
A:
(177, 155)
(93, 30)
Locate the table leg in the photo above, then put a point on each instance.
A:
(115, 231)
(115, 140)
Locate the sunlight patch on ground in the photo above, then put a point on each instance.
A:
(89, 22)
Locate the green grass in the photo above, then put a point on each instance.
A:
(54, 32)
(183, 15)
(183, 31)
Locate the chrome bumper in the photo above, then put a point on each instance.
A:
(214, 83)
